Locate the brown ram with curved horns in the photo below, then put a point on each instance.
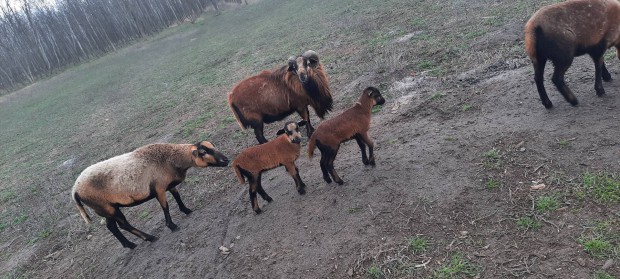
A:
(273, 95)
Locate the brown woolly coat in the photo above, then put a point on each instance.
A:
(343, 127)
(127, 179)
(575, 24)
(266, 156)
(279, 93)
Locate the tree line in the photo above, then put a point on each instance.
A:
(38, 39)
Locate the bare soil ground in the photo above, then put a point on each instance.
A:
(458, 147)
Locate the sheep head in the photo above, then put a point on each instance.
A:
(204, 154)
(303, 65)
(375, 95)
(292, 131)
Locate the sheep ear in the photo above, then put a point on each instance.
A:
(301, 123)
(291, 63)
(280, 132)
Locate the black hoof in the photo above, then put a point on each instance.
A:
(340, 182)
(151, 238)
(365, 161)
(258, 211)
(327, 179)
(173, 227)
(574, 102)
(547, 105)
(606, 78)
(129, 245)
(372, 163)
(186, 211)
(600, 92)
(301, 191)
(268, 199)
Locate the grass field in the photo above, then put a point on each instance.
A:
(172, 88)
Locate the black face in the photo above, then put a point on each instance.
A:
(375, 94)
(220, 160)
(212, 156)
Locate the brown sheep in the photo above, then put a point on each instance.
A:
(138, 176)
(283, 150)
(561, 31)
(353, 123)
(273, 95)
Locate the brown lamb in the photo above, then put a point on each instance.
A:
(283, 150)
(351, 124)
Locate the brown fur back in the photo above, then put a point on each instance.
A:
(577, 23)
(267, 156)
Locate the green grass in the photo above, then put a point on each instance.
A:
(597, 247)
(354, 209)
(145, 214)
(492, 184)
(376, 109)
(417, 244)
(564, 143)
(457, 267)
(547, 203)
(604, 188)
(528, 223)
(603, 275)
(375, 272)
(20, 219)
(41, 235)
(437, 96)
(493, 160)
(7, 195)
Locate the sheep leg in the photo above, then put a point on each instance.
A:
(606, 74)
(558, 79)
(324, 167)
(539, 71)
(360, 142)
(161, 197)
(261, 191)
(111, 224)
(177, 197)
(330, 167)
(253, 199)
(371, 145)
(305, 115)
(258, 131)
(294, 172)
(122, 222)
(599, 63)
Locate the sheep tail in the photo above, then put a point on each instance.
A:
(532, 42)
(239, 175)
(311, 145)
(80, 207)
(237, 113)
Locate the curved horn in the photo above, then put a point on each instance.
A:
(312, 55)
(291, 63)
